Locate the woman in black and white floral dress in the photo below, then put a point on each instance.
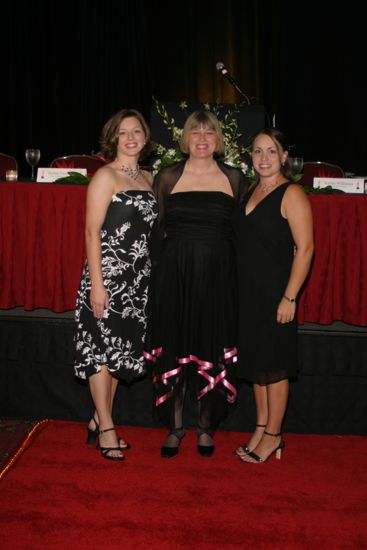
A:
(113, 292)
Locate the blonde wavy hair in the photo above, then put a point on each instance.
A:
(206, 119)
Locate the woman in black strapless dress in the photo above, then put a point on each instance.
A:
(192, 333)
(275, 246)
(111, 306)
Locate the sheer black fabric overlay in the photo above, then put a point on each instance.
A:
(193, 297)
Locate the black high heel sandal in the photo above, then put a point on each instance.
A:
(93, 434)
(106, 450)
(244, 448)
(278, 451)
(205, 450)
(169, 452)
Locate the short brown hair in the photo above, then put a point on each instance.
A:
(202, 118)
(109, 137)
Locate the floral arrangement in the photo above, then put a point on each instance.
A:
(74, 178)
(234, 154)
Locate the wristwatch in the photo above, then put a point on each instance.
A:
(291, 300)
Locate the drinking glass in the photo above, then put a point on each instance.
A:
(296, 164)
(32, 156)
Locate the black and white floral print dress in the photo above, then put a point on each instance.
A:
(117, 339)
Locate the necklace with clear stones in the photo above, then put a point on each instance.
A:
(131, 172)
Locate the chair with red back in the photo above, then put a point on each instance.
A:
(7, 163)
(318, 169)
(90, 162)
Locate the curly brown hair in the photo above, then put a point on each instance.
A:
(109, 136)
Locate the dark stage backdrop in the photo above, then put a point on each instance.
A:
(37, 381)
(67, 66)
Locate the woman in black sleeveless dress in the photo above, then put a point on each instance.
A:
(192, 334)
(275, 247)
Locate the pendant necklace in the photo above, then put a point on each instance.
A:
(131, 172)
(265, 187)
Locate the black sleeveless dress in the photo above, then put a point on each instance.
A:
(265, 249)
(193, 322)
(117, 340)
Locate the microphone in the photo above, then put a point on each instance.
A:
(221, 68)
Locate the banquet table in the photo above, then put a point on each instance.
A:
(42, 252)
(42, 247)
(336, 288)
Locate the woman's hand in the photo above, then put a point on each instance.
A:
(286, 311)
(98, 301)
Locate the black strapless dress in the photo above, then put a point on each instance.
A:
(117, 340)
(192, 336)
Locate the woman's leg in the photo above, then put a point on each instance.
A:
(261, 402)
(114, 384)
(103, 387)
(176, 418)
(205, 422)
(277, 399)
(277, 403)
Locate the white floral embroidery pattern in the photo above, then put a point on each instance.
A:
(117, 339)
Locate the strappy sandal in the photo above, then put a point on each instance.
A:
(278, 451)
(106, 450)
(93, 434)
(122, 445)
(244, 449)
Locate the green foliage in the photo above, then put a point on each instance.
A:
(74, 178)
(321, 191)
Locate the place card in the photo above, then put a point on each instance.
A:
(49, 175)
(348, 185)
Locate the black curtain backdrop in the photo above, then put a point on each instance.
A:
(68, 66)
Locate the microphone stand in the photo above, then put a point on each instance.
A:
(237, 88)
(221, 68)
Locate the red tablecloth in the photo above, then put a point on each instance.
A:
(42, 252)
(336, 289)
(41, 245)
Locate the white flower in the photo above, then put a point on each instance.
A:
(244, 167)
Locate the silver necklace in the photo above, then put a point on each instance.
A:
(266, 187)
(131, 172)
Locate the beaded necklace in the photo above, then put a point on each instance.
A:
(131, 172)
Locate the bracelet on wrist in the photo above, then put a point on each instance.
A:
(291, 300)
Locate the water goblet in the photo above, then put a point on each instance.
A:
(32, 156)
(296, 164)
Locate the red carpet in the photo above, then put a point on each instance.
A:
(61, 494)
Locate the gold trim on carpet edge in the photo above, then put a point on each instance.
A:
(25, 443)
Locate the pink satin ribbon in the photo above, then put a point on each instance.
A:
(164, 379)
(153, 355)
(229, 356)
